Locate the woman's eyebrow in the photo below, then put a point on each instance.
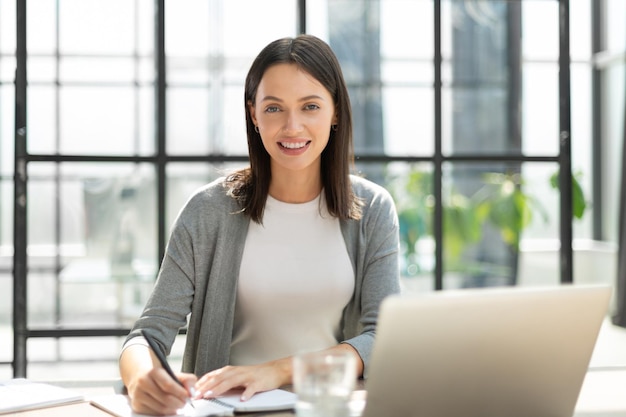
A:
(309, 97)
(271, 98)
(312, 97)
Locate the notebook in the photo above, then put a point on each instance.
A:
(514, 352)
(224, 405)
(118, 405)
(21, 394)
(273, 400)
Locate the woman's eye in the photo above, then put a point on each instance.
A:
(311, 107)
(271, 109)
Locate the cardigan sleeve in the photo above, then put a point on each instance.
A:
(374, 244)
(169, 304)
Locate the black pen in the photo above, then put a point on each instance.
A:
(164, 363)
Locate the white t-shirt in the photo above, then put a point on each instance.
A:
(295, 280)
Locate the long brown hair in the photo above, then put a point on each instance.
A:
(251, 185)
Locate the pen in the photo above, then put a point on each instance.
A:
(164, 363)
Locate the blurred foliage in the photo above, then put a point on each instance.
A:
(501, 203)
(579, 204)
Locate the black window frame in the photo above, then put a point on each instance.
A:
(22, 331)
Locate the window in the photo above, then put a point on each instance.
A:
(122, 127)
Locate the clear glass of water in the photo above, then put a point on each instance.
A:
(324, 383)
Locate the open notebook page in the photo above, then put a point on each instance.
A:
(22, 394)
(119, 406)
(276, 399)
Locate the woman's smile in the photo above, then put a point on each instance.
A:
(296, 147)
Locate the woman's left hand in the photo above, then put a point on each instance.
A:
(252, 379)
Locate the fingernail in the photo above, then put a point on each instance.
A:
(244, 398)
(208, 394)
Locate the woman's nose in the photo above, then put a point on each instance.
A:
(293, 123)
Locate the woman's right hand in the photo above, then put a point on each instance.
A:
(156, 393)
(150, 388)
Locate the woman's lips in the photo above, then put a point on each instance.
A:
(294, 147)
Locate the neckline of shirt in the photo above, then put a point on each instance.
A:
(281, 205)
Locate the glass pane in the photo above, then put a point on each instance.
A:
(7, 134)
(97, 70)
(493, 215)
(97, 121)
(7, 27)
(42, 69)
(41, 27)
(482, 89)
(582, 141)
(146, 127)
(411, 186)
(204, 39)
(251, 17)
(97, 27)
(614, 86)
(185, 105)
(80, 358)
(219, 121)
(6, 332)
(404, 20)
(6, 275)
(580, 36)
(183, 179)
(540, 73)
(85, 28)
(408, 122)
(7, 70)
(43, 305)
(42, 123)
(390, 79)
(188, 25)
(6, 221)
(540, 26)
(49, 358)
(356, 43)
(7, 123)
(145, 27)
(615, 30)
(91, 120)
(236, 142)
(540, 109)
(98, 229)
(407, 75)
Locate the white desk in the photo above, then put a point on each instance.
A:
(603, 394)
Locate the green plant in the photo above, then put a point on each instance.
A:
(579, 203)
(507, 207)
(501, 203)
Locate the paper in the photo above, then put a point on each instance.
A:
(22, 394)
(224, 405)
(119, 405)
(272, 400)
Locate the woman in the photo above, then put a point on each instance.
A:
(290, 254)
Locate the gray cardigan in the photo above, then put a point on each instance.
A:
(200, 270)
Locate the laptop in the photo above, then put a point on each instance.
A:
(496, 352)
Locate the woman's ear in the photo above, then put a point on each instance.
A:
(251, 109)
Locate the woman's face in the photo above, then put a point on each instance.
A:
(294, 114)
